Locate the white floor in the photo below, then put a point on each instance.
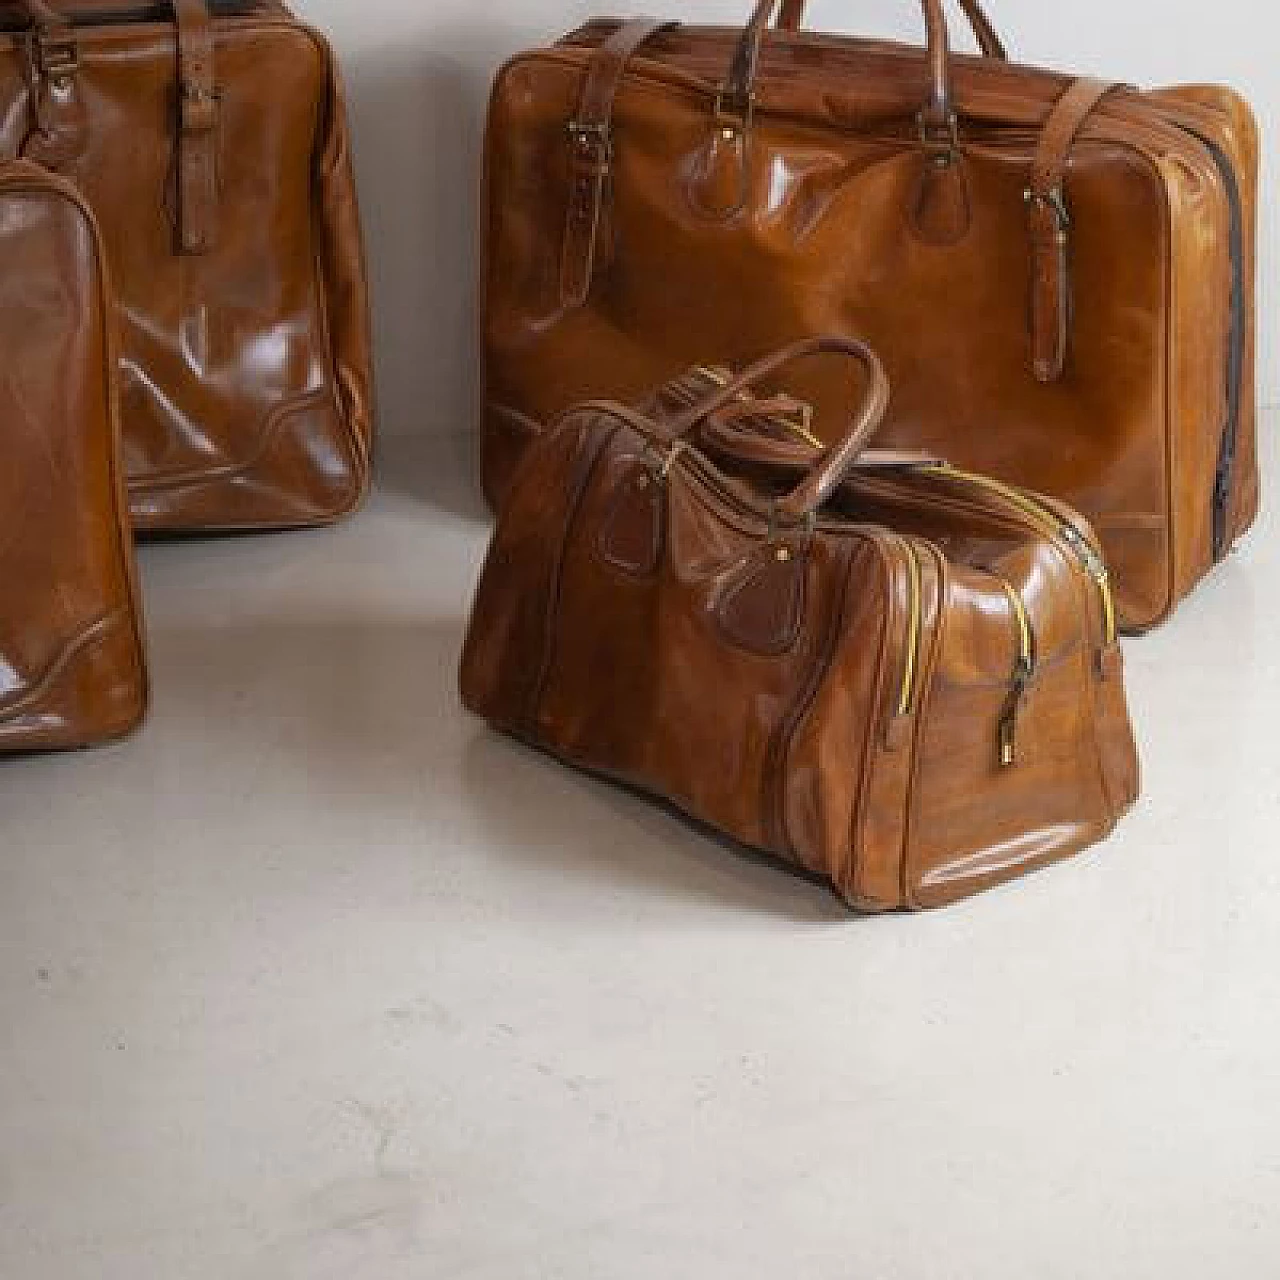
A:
(317, 979)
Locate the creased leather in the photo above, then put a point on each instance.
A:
(214, 150)
(839, 229)
(72, 664)
(835, 696)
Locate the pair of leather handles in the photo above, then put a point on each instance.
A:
(832, 468)
(937, 118)
(46, 16)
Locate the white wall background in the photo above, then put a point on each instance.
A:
(419, 70)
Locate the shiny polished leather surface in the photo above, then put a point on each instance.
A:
(72, 667)
(230, 217)
(857, 696)
(1090, 360)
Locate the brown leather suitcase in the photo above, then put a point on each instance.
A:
(1059, 273)
(211, 140)
(72, 667)
(895, 675)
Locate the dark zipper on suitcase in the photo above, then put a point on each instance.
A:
(1224, 479)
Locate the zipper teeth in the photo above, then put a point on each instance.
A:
(1026, 636)
(915, 628)
(1058, 528)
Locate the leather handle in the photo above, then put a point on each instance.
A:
(832, 468)
(938, 116)
(791, 18)
(61, 120)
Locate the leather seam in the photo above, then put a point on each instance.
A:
(589, 462)
(83, 642)
(273, 428)
(924, 706)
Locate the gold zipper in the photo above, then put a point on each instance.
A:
(915, 630)
(1053, 524)
(1024, 671)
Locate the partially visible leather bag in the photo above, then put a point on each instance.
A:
(895, 675)
(1058, 272)
(72, 666)
(210, 137)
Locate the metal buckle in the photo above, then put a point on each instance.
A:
(594, 140)
(944, 145)
(662, 466)
(808, 526)
(56, 57)
(733, 119)
(1055, 200)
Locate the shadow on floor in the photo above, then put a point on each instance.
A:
(367, 718)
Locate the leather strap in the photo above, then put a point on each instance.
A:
(835, 463)
(1049, 223)
(591, 154)
(937, 119)
(791, 18)
(198, 109)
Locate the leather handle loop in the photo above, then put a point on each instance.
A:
(938, 116)
(791, 18)
(832, 468)
(1049, 225)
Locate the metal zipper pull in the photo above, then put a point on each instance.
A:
(1008, 733)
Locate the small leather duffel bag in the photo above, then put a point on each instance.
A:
(72, 666)
(210, 137)
(1058, 272)
(896, 676)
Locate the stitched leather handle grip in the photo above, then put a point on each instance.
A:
(791, 18)
(938, 115)
(832, 468)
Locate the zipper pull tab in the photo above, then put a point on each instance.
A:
(1008, 729)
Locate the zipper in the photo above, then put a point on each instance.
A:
(1051, 523)
(1024, 671)
(915, 632)
(1225, 475)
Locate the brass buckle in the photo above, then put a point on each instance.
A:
(733, 119)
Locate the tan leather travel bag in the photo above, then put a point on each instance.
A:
(72, 668)
(1059, 273)
(211, 141)
(896, 675)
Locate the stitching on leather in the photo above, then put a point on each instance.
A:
(267, 439)
(588, 462)
(860, 813)
(924, 705)
(81, 643)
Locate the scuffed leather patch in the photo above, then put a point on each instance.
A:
(762, 608)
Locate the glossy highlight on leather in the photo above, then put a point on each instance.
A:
(211, 141)
(72, 665)
(883, 670)
(1059, 273)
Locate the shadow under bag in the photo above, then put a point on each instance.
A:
(72, 667)
(1058, 272)
(899, 676)
(210, 138)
